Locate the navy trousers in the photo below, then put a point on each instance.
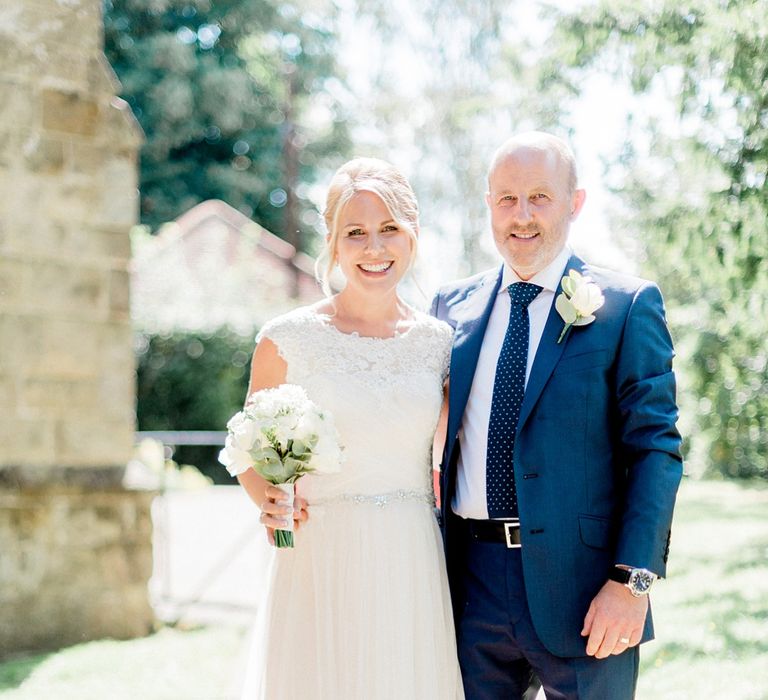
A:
(499, 651)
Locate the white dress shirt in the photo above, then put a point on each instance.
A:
(470, 498)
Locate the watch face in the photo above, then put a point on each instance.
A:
(640, 581)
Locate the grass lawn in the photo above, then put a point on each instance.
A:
(711, 624)
(711, 613)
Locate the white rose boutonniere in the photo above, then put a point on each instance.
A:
(579, 300)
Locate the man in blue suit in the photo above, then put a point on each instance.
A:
(562, 459)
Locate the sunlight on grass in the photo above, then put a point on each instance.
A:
(169, 665)
(711, 612)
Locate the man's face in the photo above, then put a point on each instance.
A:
(531, 208)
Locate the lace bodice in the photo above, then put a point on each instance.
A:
(384, 393)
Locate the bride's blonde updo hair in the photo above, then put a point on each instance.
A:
(366, 175)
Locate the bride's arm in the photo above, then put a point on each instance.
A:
(268, 370)
(438, 441)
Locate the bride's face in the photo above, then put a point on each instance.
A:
(373, 250)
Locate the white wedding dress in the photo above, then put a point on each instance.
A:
(359, 609)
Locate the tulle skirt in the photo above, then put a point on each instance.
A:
(358, 609)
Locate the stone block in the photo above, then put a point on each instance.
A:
(65, 200)
(120, 129)
(102, 79)
(113, 245)
(85, 157)
(19, 62)
(72, 291)
(69, 113)
(52, 398)
(19, 107)
(119, 295)
(8, 149)
(12, 273)
(26, 440)
(119, 201)
(41, 66)
(8, 388)
(64, 70)
(92, 440)
(43, 23)
(43, 154)
(66, 350)
(117, 393)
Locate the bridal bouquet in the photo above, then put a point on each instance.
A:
(282, 435)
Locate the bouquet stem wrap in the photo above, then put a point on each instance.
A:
(284, 538)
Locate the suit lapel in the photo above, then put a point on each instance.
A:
(472, 316)
(548, 352)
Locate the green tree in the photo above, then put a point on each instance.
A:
(696, 196)
(222, 90)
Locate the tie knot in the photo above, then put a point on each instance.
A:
(523, 293)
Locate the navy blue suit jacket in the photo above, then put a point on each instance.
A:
(597, 454)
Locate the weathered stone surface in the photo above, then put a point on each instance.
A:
(19, 106)
(49, 24)
(75, 546)
(119, 202)
(49, 286)
(27, 439)
(11, 282)
(119, 295)
(43, 154)
(99, 441)
(102, 79)
(69, 112)
(88, 550)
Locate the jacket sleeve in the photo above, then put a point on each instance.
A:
(650, 442)
(434, 309)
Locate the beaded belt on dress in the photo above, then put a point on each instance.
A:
(379, 499)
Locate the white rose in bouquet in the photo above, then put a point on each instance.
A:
(282, 435)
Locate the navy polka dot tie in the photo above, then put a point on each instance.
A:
(508, 388)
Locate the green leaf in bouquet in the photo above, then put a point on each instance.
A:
(294, 468)
(269, 464)
(265, 454)
(275, 472)
(298, 448)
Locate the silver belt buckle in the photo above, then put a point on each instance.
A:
(508, 527)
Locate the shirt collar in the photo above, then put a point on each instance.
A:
(548, 278)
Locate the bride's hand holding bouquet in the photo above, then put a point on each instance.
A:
(282, 435)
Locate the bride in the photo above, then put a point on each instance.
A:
(360, 607)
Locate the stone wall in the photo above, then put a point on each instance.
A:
(75, 546)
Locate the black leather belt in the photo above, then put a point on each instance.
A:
(504, 532)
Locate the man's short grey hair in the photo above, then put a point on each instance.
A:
(541, 141)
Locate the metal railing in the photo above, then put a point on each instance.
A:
(178, 438)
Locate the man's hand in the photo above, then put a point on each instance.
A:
(614, 621)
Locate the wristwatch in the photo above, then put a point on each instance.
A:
(639, 581)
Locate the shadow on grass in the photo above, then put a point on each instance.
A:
(14, 672)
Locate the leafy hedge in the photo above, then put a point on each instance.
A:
(192, 381)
